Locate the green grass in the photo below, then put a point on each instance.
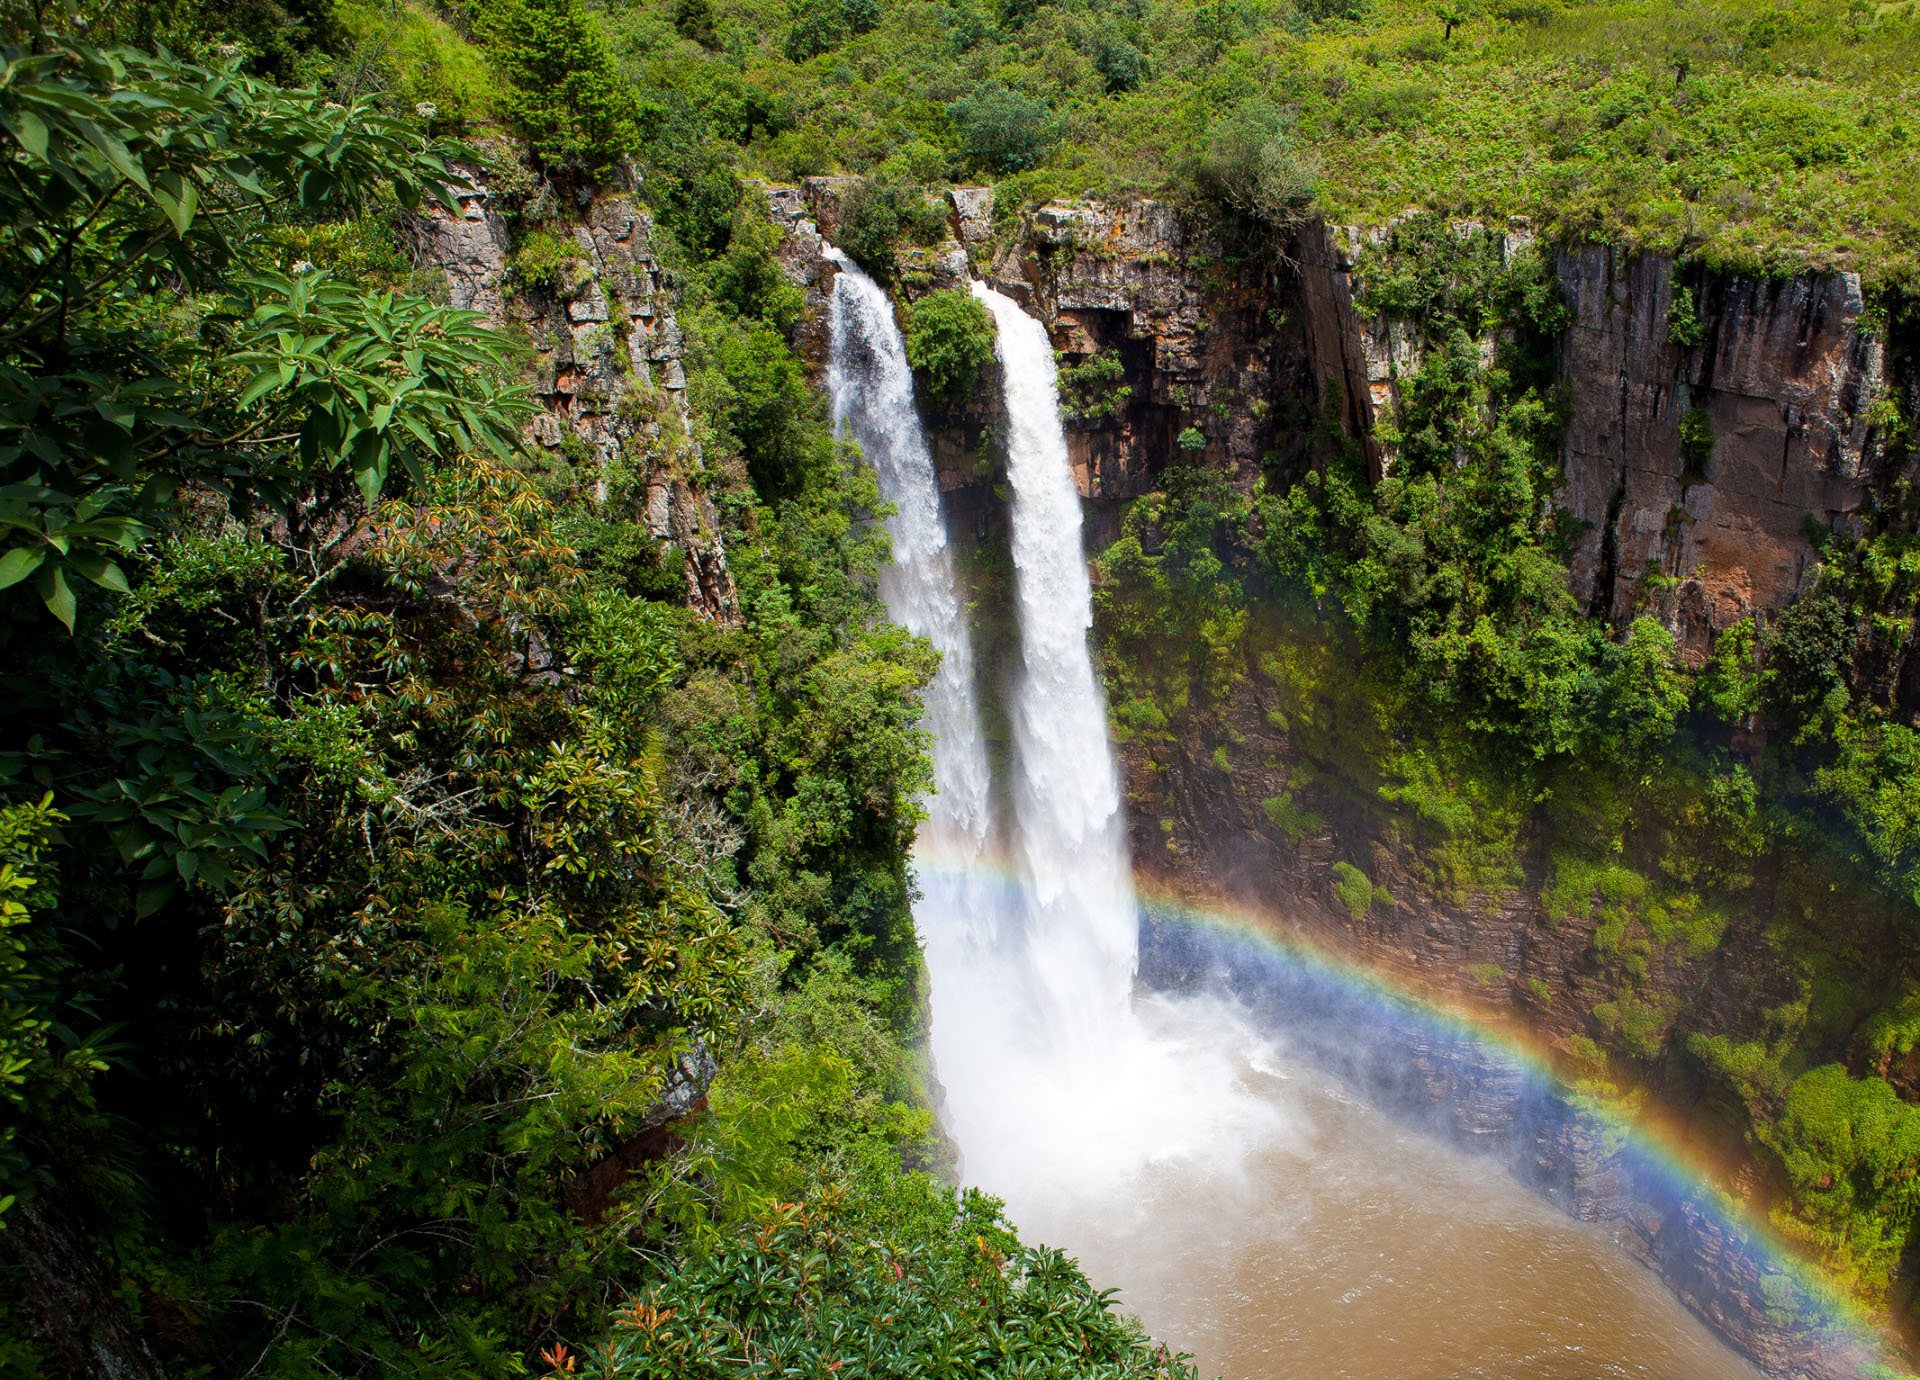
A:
(1756, 137)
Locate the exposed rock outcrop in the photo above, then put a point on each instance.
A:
(607, 371)
(1782, 377)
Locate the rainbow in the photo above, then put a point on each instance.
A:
(1723, 1260)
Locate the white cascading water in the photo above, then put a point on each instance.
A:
(871, 386)
(959, 907)
(1058, 1086)
(1070, 1086)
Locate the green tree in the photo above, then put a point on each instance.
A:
(1851, 1149)
(1251, 168)
(566, 95)
(1645, 691)
(1808, 652)
(1875, 780)
(819, 26)
(877, 213)
(1122, 66)
(693, 19)
(950, 340)
(1001, 130)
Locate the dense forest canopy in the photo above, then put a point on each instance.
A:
(389, 855)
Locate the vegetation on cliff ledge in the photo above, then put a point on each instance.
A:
(1722, 864)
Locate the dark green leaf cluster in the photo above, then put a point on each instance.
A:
(819, 26)
(871, 1280)
(138, 359)
(1001, 130)
(878, 214)
(950, 340)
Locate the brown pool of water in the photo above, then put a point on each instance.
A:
(1350, 1247)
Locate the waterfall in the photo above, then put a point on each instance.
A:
(1086, 1085)
(871, 386)
(958, 911)
(1059, 1086)
(1071, 845)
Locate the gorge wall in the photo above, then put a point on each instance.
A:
(1273, 786)
(606, 363)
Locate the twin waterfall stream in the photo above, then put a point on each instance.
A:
(1251, 1210)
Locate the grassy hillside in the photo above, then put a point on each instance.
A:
(1729, 131)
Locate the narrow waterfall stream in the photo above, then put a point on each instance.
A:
(1250, 1209)
(871, 386)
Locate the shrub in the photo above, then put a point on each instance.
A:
(1252, 170)
(1875, 780)
(1851, 1148)
(893, 1275)
(877, 214)
(949, 341)
(417, 60)
(1684, 326)
(1121, 66)
(1291, 818)
(1696, 441)
(1808, 653)
(1002, 130)
(1729, 683)
(693, 19)
(1645, 691)
(1095, 389)
(1353, 889)
(543, 260)
(819, 26)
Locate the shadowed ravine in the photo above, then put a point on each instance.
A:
(1250, 1207)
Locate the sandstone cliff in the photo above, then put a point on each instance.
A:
(1783, 371)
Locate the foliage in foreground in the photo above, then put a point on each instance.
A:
(875, 1280)
(380, 852)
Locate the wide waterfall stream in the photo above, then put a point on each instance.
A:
(1250, 1210)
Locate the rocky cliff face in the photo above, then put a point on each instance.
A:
(1196, 362)
(1780, 374)
(607, 365)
